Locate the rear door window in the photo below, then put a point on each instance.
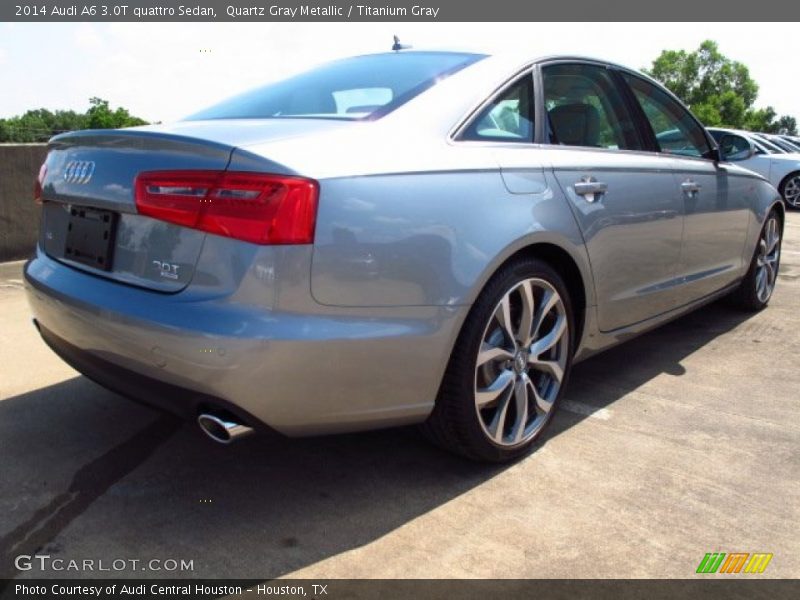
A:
(586, 108)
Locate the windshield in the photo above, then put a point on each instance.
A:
(361, 87)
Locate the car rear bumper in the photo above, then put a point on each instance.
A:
(300, 374)
(183, 402)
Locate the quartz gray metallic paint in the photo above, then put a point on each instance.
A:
(355, 331)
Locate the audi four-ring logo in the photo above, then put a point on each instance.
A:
(79, 171)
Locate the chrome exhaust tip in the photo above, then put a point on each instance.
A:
(221, 430)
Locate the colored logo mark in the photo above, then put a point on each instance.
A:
(735, 562)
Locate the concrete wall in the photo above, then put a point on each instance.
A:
(19, 215)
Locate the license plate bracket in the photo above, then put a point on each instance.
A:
(90, 236)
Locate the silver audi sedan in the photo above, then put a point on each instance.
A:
(410, 237)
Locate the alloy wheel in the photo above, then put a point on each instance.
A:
(791, 191)
(521, 362)
(769, 251)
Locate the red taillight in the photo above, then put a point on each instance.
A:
(37, 185)
(254, 207)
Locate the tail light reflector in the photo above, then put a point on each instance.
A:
(254, 207)
(37, 185)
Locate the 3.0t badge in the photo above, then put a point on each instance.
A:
(166, 269)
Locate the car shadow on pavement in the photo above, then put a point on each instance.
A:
(131, 482)
(603, 379)
(88, 474)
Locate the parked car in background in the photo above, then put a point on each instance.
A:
(411, 237)
(788, 146)
(766, 144)
(794, 141)
(776, 143)
(780, 168)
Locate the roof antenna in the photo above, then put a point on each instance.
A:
(397, 46)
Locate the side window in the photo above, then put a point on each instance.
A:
(585, 108)
(675, 130)
(508, 118)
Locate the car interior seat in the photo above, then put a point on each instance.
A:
(575, 124)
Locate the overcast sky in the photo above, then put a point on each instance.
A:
(164, 71)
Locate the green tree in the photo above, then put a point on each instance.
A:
(100, 116)
(761, 119)
(40, 124)
(787, 125)
(720, 91)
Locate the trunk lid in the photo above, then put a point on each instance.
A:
(90, 220)
(90, 179)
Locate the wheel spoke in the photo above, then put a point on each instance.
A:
(496, 388)
(498, 423)
(544, 344)
(521, 405)
(772, 235)
(526, 321)
(760, 282)
(551, 367)
(549, 300)
(490, 353)
(543, 405)
(773, 243)
(503, 316)
(770, 273)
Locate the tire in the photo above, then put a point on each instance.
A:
(755, 290)
(790, 190)
(516, 382)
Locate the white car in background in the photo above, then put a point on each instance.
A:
(776, 140)
(792, 140)
(781, 169)
(782, 142)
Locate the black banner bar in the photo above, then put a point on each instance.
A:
(398, 10)
(712, 587)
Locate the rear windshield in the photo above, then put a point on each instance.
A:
(362, 87)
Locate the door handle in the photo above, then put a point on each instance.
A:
(590, 188)
(691, 187)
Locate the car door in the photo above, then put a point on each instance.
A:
(715, 203)
(624, 197)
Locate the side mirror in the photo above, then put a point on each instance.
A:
(735, 147)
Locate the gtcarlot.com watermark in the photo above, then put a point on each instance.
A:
(44, 562)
